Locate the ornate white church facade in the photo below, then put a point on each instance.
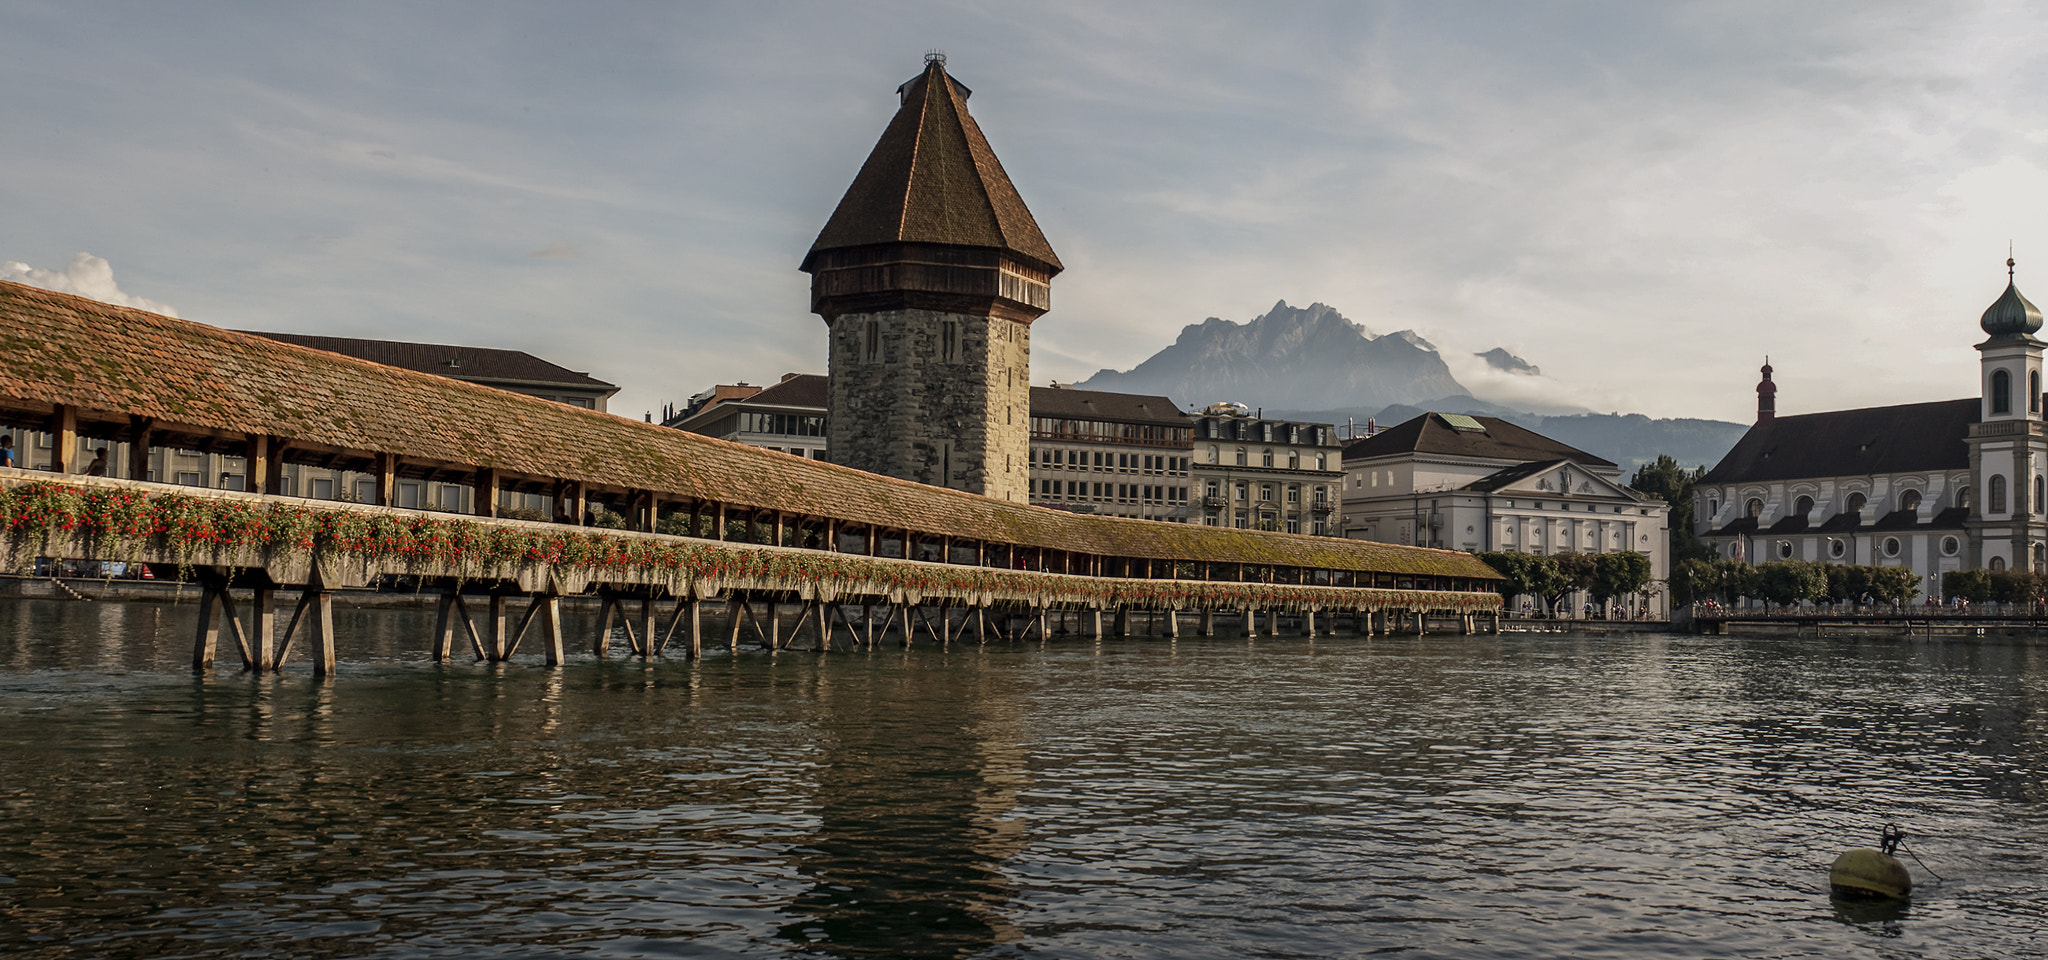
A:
(1948, 485)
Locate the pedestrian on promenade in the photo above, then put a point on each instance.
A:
(7, 451)
(98, 466)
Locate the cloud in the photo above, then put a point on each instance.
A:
(87, 276)
(561, 250)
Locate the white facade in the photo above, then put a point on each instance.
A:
(1424, 492)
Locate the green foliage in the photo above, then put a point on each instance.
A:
(1524, 573)
(1892, 584)
(1667, 481)
(1971, 585)
(1790, 581)
(2018, 586)
(603, 517)
(1694, 580)
(1619, 575)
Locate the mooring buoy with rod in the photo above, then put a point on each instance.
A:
(1873, 873)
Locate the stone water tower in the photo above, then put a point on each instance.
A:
(929, 275)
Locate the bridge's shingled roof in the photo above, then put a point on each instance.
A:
(115, 362)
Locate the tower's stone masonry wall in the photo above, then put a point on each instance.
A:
(939, 398)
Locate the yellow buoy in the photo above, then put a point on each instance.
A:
(1868, 872)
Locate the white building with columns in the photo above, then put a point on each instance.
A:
(1482, 484)
(1947, 485)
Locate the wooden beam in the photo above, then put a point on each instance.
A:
(551, 620)
(207, 639)
(485, 493)
(386, 472)
(139, 431)
(64, 438)
(323, 636)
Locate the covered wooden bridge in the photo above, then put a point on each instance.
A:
(705, 520)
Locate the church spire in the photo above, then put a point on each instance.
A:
(1766, 396)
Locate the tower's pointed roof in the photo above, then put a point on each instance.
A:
(933, 179)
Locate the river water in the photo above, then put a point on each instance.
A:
(1520, 796)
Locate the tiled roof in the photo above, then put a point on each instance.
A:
(1911, 437)
(797, 390)
(113, 363)
(932, 178)
(1072, 404)
(1431, 433)
(477, 364)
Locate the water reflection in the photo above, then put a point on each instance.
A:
(917, 782)
(1467, 797)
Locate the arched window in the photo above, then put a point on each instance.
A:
(1215, 455)
(1802, 507)
(1962, 496)
(2034, 392)
(1240, 457)
(1855, 504)
(1910, 500)
(2040, 488)
(1322, 461)
(1293, 459)
(1755, 507)
(1266, 459)
(2001, 392)
(1997, 564)
(1994, 493)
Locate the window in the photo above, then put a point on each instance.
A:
(1293, 524)
(1293, 459)
(1266, 458)
(2034, 392)
(1784, 549)
(1266, 492)
(1293, 493)
(2040, 487)
(1997, 564)
(1950, 546)
(1322, 461)
(1994, 494)
(451, 498)
(1837, 548)
(1209, 489)
(409, 495)
(1215, 455)
(1891, 546)
(1242, 488)
(1857, 500)
(1802, 507)
(949, 340)
(871, 341)
(2001, 392)
(1755, 507)
(1910, 500)
(1240, 456)
(323, 487)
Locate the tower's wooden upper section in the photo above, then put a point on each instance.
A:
(932, 221)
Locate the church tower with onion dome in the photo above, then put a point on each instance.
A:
(929, 275)
(2009, 443)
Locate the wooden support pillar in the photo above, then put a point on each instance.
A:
(444, 628)
(1251, 622)
(1208, 623)
(206, 642)
(732, 618)
(822, 614)
(501, 641)
(647, 618)
(1042, 635)
(323, 630)
(1308, 623)
(1123, 621)
(1098, 622)
(64, 439)
(696, 614)
(387, 480)
(773, 641)
(1421, 624)
(608, 608)
(141, 430)
(1273, 622)
(775, 529)
(909, 623)
(265, 614)
(1173, 623)
(550, 608)
(485, 496)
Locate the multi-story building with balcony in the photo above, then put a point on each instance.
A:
(1118, 454)
(788, 417)
(1258, 474)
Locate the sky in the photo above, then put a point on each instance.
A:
(1643, 200)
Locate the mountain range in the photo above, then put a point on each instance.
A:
(1313, 364)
